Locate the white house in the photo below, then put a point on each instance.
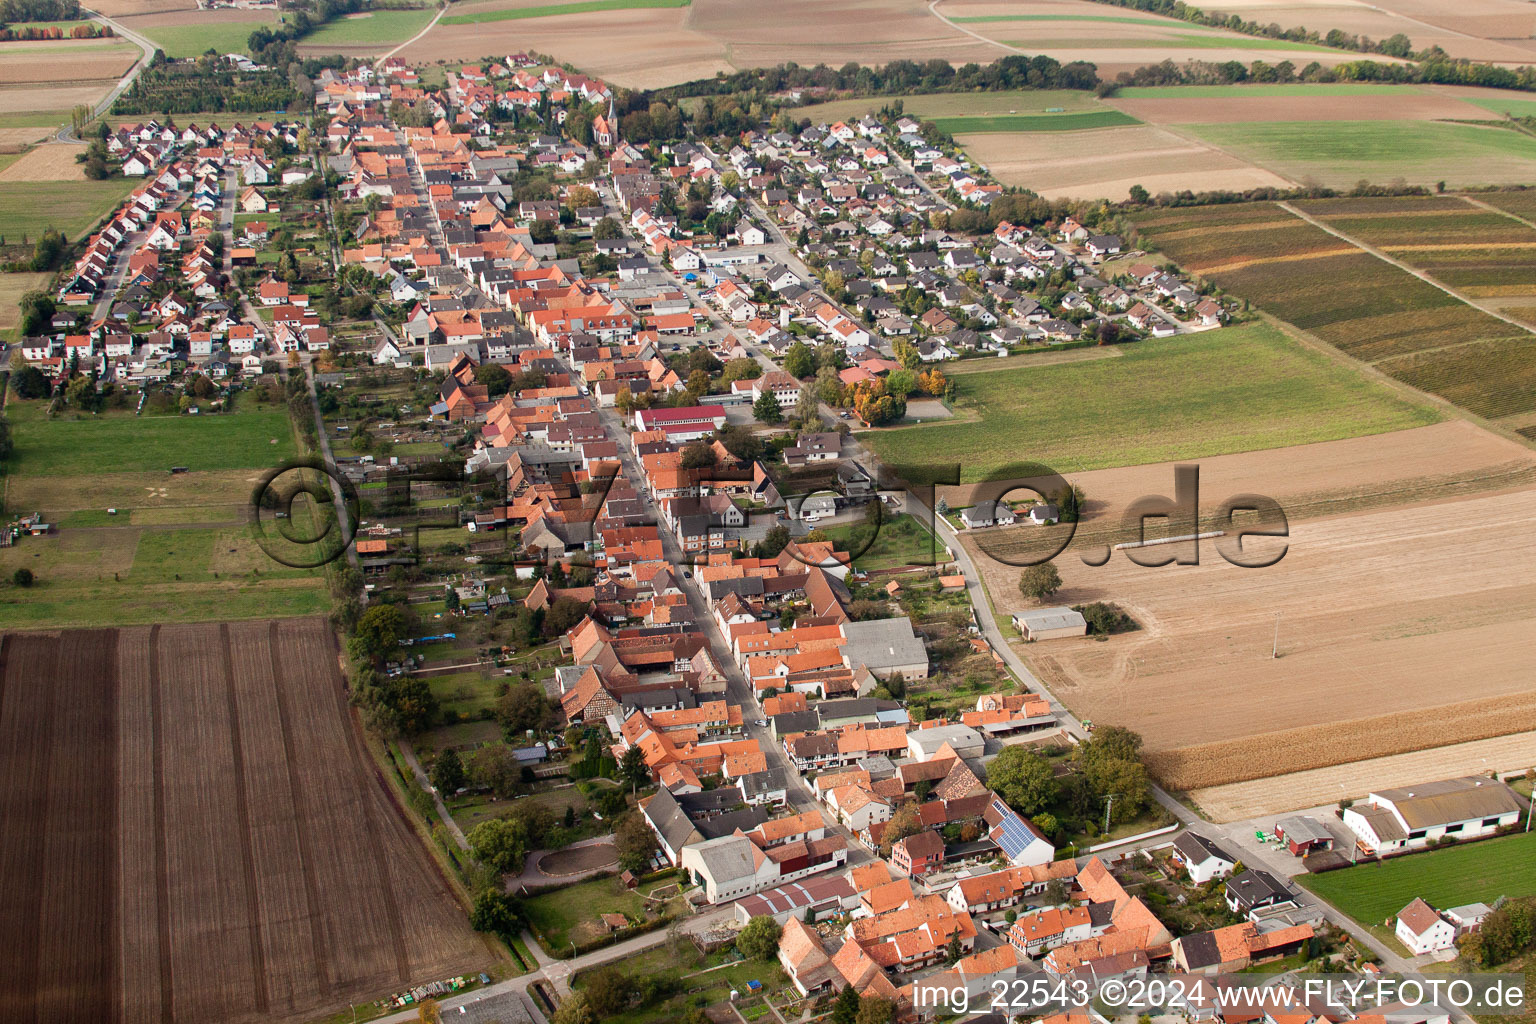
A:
(987, 513)
(1203, 859)
(1422, 930)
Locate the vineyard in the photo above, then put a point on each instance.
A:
(1372, 310)
(197, 834)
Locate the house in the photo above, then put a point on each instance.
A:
(804, 959)
(1303, 835)
(1254, 889)
(917, 855)
(962, 740)
(1203, 859)
(1020, 840)
(1050, 623)
(987, 513)
(252, 201)
(1423, 930)
(1414, 817)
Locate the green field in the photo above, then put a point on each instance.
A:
(1239, 389)
(1340, 153)
(551, 10)
(195, 39)
(1036, 122)
(1117, 19)
(120, 442)
(73, 207)
(1471, 873)
(179, 548)
(960, 104)
(559, 916)
(1180, 41)
(377, 27)
(901, 541)
(1216, 92)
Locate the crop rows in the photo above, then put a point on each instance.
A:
(1369, 308)
(1322, 746)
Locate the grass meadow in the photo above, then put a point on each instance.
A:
(1471, 873)
(1340, 153)
(73, 207)
(179, 548)
(1239, 389)
(375, 27)
(192, 39)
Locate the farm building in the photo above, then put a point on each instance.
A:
(1303, 835)
(1050, 623)
(1413, 817)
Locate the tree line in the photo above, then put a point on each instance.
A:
(40, 10)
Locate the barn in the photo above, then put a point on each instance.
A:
(1049, 623)
(1303, 835)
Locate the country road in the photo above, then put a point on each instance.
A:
(147, 54)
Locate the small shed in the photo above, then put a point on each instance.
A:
(1303, 835)
(1050, 623)
(629, 879)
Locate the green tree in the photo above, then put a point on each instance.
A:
(496, 912)
(23, 577)
(799, 361)
(523, 707)
(1038, 582)
(632, 767)
(448, 772)
(500, 842)
(1024, 779)
(875, 1010)
(634, 841)
(610, 990)
(767, 410)
(574, 1009)
(379, 632)
(846, 1008)
(759, 940)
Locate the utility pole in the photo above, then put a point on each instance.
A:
(1530, 803)
(1107, 808)
(1275, 653)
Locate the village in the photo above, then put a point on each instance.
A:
(597, 400)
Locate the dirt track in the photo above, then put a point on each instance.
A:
(246, 863)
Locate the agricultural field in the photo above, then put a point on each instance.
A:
(560, 9)
(45, 163)
(122, 749)
(1318, 787)
(1470, 873)
(1377, 588)
(939, 105)
(74, 207)
(1238, 389)
(1369, 308)
(1036, 122)
(1339, 153)
(12, 288)
(192, 33)
(373, 27)
(1253, 104)
(65, 60)
(1106, 162)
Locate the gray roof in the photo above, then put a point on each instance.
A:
(883, 645)
(1197, 849)
(1450, 801)
(727, 858)
(1255, 886)
(1299, 828)
(1050, 618)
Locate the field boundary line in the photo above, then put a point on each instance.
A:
(300, 809)
(243, 822)
(440, 12)
(1406, 268)
(5, 653)
(1502, 213)
(162, 869)
(370, 821)
(1294, 257)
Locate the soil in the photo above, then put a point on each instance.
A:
(575, 861)
(197, 833)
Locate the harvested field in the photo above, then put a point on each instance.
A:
(1429, 590)
(12, 288)
(21, 99)
(198, 795)
(66, 60)
(1320, 786)
(651, 47)
(54, 162)
(959, 104)
(1106, 162)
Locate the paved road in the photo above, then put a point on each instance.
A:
(146, 54)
